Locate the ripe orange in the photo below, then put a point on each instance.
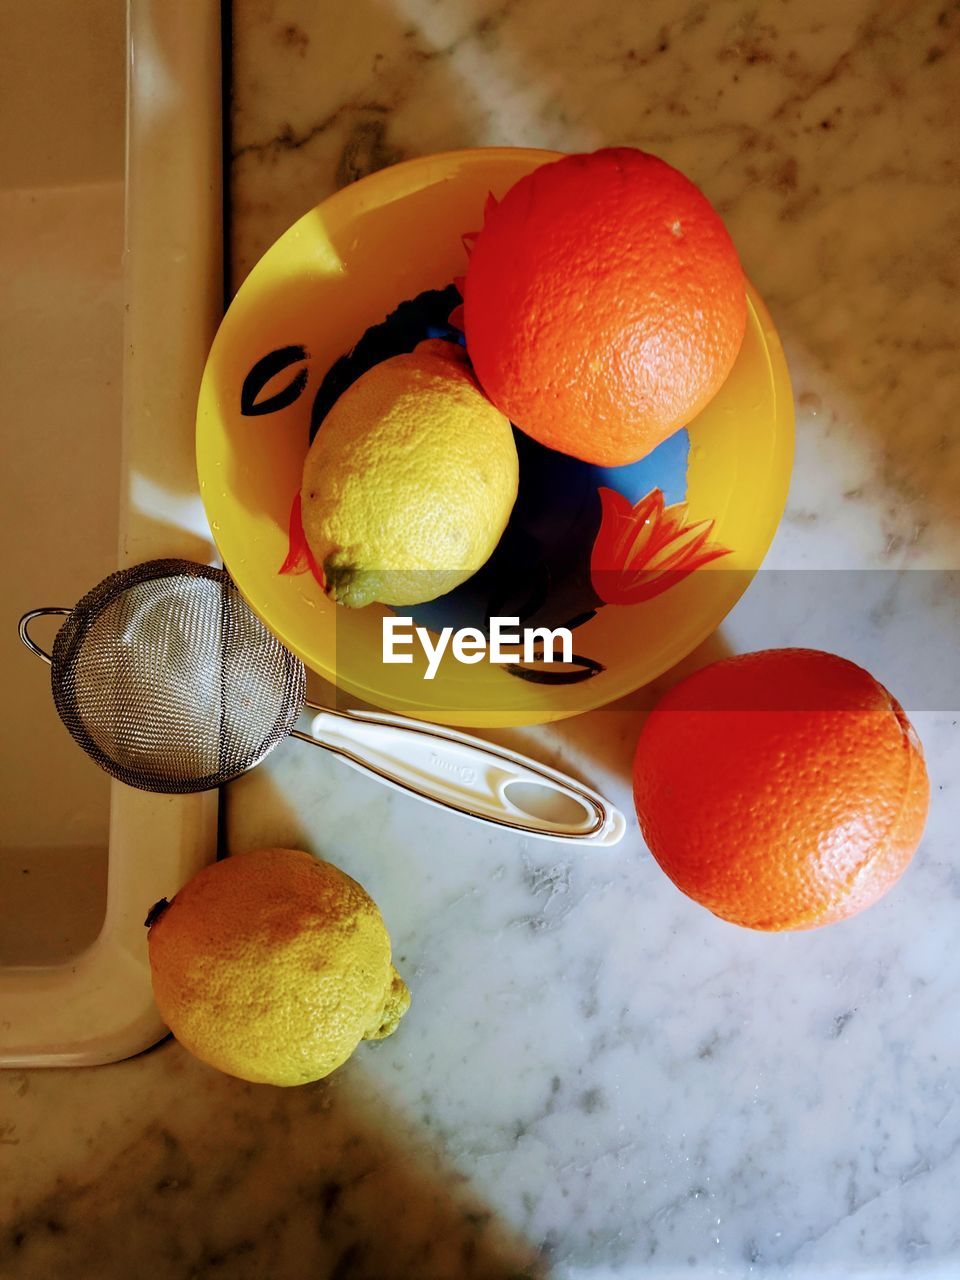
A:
(604, 304)
(782, 790)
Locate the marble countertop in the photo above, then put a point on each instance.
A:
(597, 1078)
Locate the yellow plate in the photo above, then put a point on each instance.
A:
(343, 267)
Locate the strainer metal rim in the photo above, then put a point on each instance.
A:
(70, 637)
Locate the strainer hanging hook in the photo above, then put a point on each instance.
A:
(23, 629)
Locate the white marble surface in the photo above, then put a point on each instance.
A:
(597, 1077)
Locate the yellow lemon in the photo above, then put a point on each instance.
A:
(409, 482)
(273, 966)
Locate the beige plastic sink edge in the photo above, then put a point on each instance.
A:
(98, 1007)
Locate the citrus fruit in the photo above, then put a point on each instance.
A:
(273, 966)
(604, 304)
(782, 790)
(409, 482)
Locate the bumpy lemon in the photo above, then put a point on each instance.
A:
(273, 966)
(409, 482)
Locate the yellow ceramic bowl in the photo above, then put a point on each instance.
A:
(345, 266)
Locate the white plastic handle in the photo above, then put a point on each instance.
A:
(473, 777)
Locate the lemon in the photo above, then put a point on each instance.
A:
(409, 482)
(273, 966)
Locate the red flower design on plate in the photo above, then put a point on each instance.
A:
(643, 550)
(299, 556)
(469, 239)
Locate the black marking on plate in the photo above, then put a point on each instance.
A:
(576, 671)
(267, 368)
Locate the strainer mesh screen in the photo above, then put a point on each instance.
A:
(168, 680)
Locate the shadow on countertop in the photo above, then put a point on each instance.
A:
(224, 1178)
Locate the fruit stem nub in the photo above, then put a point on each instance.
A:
(155, 912)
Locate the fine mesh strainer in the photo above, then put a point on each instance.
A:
(170, 683)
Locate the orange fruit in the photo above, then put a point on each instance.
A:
(604, 304)
(782, 790)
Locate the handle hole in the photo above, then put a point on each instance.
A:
(538, 800)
